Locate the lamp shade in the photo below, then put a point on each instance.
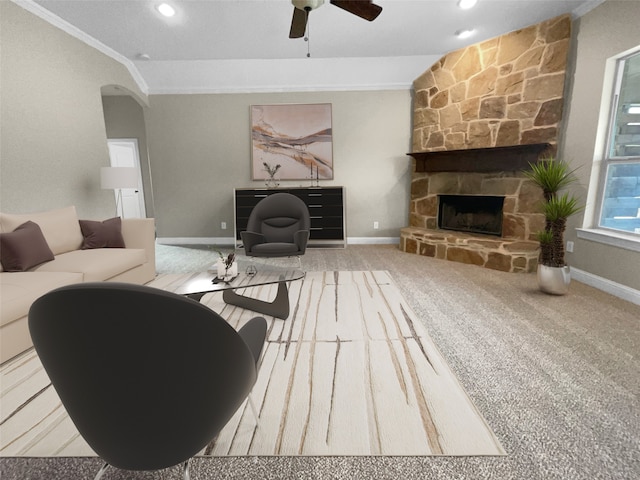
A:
(118, 177)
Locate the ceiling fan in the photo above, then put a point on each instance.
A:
(361, 8)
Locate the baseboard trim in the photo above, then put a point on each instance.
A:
(372, 240)
(230, 241)
(223, 241)
(617, 289)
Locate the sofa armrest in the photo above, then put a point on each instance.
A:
(141, 233)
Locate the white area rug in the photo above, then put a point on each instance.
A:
(350, 372)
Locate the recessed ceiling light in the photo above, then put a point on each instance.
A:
(467, 4)
(464, 33)
(166, 10)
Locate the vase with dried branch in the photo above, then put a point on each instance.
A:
(227, 268)
(271, 181)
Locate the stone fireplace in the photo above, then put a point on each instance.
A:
(481, 115)
(478, 178)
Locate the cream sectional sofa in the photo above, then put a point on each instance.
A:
(61, 229)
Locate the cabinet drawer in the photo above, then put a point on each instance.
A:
(327, 234)
(316, 210)
(327, 222)
(249, 200)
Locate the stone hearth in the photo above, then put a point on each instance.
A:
(490, 252)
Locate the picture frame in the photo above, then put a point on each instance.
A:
(295, 140)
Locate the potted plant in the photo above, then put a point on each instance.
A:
(551, 176)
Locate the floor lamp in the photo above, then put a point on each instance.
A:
(117, 178)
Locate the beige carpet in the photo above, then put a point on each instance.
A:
(350, 372)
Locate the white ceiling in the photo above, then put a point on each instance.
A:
(188, 51)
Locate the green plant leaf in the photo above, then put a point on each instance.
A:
(545, 237)
(559, 207)
(550, 175)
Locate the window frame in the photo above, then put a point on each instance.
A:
(604, 234)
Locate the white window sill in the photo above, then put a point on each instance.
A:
(609, 237)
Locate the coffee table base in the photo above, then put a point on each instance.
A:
(279, 308)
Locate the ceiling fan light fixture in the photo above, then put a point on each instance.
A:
(467, 4)
(166, 10)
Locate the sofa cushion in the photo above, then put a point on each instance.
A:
(96, 265)
(107, 234)
(21, 289)
(24, 248)
(60, 227)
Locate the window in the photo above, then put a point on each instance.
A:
(620, 206)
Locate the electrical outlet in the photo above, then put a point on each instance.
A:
(570, 247)
(223, 225)
(375, 225)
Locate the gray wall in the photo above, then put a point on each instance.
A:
(199, 147)
(608, 30)
(53, 133)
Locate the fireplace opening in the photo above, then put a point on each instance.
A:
(471, 213)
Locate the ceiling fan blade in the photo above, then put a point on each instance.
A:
(362, 8)
(298, 23)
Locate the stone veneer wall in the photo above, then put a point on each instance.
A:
(504, 91)
(500, 92)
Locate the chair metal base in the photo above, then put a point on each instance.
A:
(297, 257)
(186, 475)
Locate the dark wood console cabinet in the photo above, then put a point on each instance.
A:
(326, 207)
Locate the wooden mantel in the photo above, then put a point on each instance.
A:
(494, 159)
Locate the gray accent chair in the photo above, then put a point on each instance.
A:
(278, 226)
(148, 377)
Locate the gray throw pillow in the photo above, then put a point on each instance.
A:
(24, 248)
(107, 234)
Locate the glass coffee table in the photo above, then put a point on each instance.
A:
(206, 282)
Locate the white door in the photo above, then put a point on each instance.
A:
(124, 153)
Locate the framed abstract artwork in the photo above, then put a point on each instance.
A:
(293, 139)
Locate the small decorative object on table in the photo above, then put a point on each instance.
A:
(227, 268)
(251, 270)
(271, 181)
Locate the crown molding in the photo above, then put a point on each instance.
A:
(75, 32)
(283, 75)
(276, 89)
(586, 8)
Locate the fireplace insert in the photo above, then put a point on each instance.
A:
(471, 213)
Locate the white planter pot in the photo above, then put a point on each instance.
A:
(226, 274)
(554, 280)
